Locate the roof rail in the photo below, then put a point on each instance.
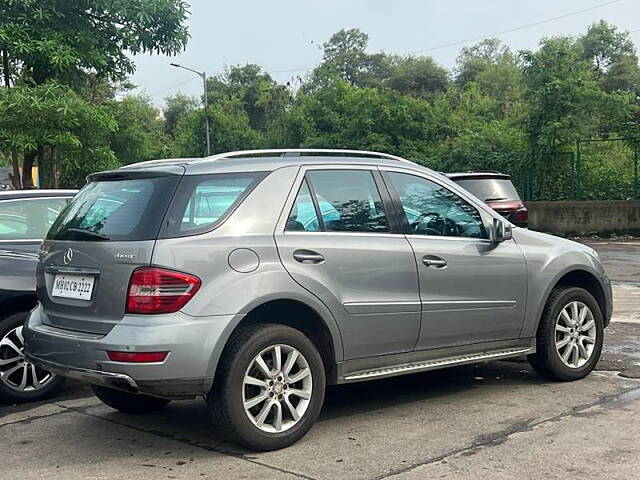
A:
(301, 151)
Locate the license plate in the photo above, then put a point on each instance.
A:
(73, 286)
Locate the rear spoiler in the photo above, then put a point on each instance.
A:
(115, 175)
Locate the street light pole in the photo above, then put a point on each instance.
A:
(202, 75)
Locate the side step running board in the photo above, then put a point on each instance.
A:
(435, 364)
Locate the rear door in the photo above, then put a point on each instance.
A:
(339, 241)
(107, 231)
(471, 289)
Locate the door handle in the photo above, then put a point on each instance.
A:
(308, 256)
(434, 261)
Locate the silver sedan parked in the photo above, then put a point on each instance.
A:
(257, 278)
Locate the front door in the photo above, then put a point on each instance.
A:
(338, 242)
(471, 289)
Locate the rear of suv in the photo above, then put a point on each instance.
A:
(257, 278)
(497, 190)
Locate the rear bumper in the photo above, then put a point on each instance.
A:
(194, 345)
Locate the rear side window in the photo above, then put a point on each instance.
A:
(348, 201)
(28, 218)
(303, 216)
(203, 201)
(117, 210)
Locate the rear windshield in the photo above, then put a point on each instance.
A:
(118, 210)
(203, 201)
(489, 189)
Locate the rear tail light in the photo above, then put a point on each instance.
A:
(156, 290)
(137, 357)
(520, 217)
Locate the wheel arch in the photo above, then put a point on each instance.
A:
(583, 278)
(17, 304)
(315, 321)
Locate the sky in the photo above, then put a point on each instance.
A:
(285, 36)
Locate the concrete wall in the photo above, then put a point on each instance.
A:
(581, 217)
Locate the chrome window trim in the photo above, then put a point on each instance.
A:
(27, 199)
(22, 240)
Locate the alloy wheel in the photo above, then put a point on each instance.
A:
(15, 371)
(575, 334)
(277, 388)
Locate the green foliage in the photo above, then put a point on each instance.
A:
(344, 116)
(140, 135)
(50, 115)
(417, 76)
(65, 39)
(229, 130)
(60, 59)
(518, 112)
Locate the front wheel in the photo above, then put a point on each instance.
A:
(570, 335)
(269, 388)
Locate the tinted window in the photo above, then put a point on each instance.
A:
(29, 218)
(303, 216)
(433, 210)
(119, 210)
(488, 189)
(202, 201)
(349, 201)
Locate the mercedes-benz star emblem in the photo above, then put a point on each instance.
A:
(68, 256)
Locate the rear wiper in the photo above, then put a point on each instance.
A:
(87, 233)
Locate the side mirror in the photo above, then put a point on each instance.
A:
(500, 231)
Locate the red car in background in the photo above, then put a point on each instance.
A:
(497, 191)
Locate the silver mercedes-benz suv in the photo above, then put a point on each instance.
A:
(257, 278)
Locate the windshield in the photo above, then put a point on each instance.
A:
(119, 210)
(488, 189)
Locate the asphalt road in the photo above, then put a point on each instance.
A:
(497, 420)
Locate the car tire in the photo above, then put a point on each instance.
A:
(126, 402)
(569, 341)
(292, 390)
(11, 391)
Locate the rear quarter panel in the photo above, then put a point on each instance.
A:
(238, 262)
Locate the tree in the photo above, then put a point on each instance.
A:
(417, 76)
(50, 121)
(229, 130)
(255, 89)
(494, 68)
(80, 44)
(67, 39)
(176, 107)
(344, 116)
(345, 57)
(613, 57)
(140, 135)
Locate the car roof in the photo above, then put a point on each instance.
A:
(269, 160)
(16, 194)
(478, 175)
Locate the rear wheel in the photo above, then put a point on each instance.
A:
(129, 402)
(21, 380)
(570, 335)
(269, 388)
